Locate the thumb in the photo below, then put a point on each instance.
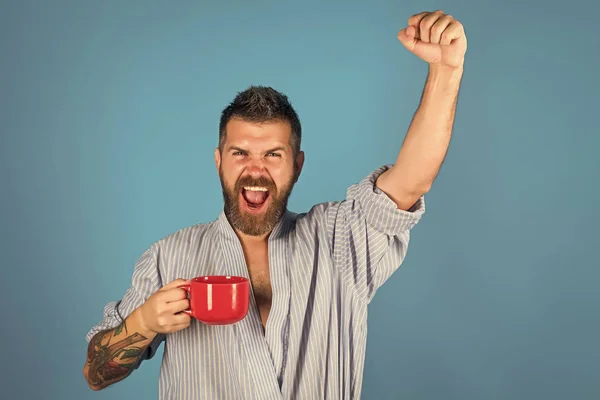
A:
(407, 37)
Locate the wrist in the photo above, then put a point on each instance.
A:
(442, 81)
(441, 71)
(137, 317)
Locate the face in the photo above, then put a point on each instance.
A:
(258, 170)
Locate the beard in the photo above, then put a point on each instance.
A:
(255, 224)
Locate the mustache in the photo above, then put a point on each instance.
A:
(262, 181)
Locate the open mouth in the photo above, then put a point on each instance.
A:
(255, 197)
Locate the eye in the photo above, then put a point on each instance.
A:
(238, 153)
(273, 154)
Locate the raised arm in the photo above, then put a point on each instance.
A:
(440, 40)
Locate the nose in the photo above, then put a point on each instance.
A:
(256, 169)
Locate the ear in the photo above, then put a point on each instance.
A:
(218, 159)
(299, 163)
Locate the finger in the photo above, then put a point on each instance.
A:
(410, 32)
(435, 33)
(415, 20)
(177, 328)
(426, 24)
(452, 32)
(179, 305)
(173, 295)
(174, 284)
(181, 319)
(407, 37)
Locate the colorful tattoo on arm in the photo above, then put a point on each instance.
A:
(109, 363)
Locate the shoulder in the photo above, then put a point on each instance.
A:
(317, 215)
(356, 192)
(188, 236)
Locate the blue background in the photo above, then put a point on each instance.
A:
(109, 114)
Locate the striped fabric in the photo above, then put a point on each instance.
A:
(325, 267)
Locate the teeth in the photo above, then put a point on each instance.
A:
(255, 188)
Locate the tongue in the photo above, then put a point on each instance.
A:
(255, 197)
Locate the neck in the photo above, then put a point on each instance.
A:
(248, 240)
(252, 242)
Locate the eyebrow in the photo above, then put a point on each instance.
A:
(279, 148)
(235, 148)
(231, 148)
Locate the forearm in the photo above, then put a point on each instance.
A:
(427, 140)
(112, 354)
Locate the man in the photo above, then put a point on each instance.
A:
(312, 274)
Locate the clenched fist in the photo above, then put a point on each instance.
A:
(162, 312)
(436, 38)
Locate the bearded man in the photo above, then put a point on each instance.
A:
(312, 274)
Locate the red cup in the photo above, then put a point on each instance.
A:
(218, 300)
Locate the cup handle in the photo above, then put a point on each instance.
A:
(187, 288)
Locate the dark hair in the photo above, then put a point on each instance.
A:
(262, 104)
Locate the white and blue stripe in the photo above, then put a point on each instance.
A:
(325, 267)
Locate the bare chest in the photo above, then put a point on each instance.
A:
(257, 262)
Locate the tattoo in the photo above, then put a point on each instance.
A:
(119, 328)
(109, 363)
